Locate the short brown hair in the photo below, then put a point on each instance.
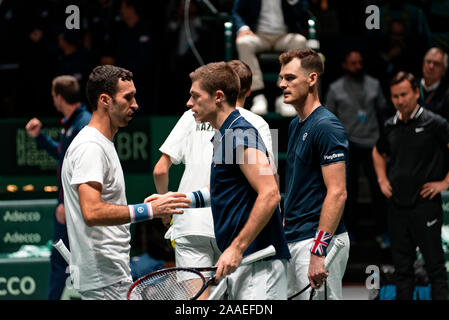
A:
(218, 76)
(104, 79)
(402, 76)
(310, 60)
(245, 74)
(68, 87)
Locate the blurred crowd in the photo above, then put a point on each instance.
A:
(149, 38)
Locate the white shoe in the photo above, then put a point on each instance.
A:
(260, 105)
(285, 110)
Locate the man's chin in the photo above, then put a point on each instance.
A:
(287, 100)
(197, 118)
(125, 123)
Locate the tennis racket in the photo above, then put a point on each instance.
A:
(182, 283)
(62, 249)
(330, 257)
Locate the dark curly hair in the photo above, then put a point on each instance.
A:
(103, 79)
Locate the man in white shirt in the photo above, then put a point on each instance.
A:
(190, 143)
(268, 25)
(98, 217)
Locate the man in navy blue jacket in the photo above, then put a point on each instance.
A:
(66, 99)
(267, 25)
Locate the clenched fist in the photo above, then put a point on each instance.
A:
(33, 127)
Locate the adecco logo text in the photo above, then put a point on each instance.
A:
(15, 286)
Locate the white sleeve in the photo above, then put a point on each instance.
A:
(264, 131)
(261, 125)
(89, 162)
(175, 144)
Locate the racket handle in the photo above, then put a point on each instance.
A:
(62, 249)
(259, 255)
(219, 290)
(222, 286)
(338, 245)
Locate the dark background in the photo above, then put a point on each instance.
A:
(32, 54)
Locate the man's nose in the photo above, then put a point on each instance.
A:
(282, 84)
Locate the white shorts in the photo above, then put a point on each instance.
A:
(196, 251)
(116, 291)
(298, 268)
(261, 280)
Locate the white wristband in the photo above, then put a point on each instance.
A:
(200, 198)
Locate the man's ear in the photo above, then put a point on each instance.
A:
(105, 100)
(219, 96)
(312, 79)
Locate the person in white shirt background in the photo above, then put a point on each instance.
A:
(268, 25)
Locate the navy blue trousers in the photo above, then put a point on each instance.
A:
(58, 266)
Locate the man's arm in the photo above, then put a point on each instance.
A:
(334, 176)
(98, 213)
(431, 189)
(239, 7)
(267, 199)
(161, 178)
(161, 173)
(380, 167)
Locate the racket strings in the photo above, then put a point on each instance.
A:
(172, 285)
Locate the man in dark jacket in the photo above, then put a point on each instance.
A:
(434, 90)
(66, 98)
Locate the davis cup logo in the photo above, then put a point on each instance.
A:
(140, 209)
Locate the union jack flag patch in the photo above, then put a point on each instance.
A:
(321, 242)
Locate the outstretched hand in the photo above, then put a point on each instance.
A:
(168, 203)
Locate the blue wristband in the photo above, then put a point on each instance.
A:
(140, 212)
(320, 243)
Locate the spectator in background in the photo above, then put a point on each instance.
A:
(134, 50)
(434, 88)
(414, 19)
(36, 62)
(66, 95)
(438, 14)
(267, 25)
(393, 50)
(178, 53)
(73, 57)
(102, 18)
(357, 100)
(414, 141)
